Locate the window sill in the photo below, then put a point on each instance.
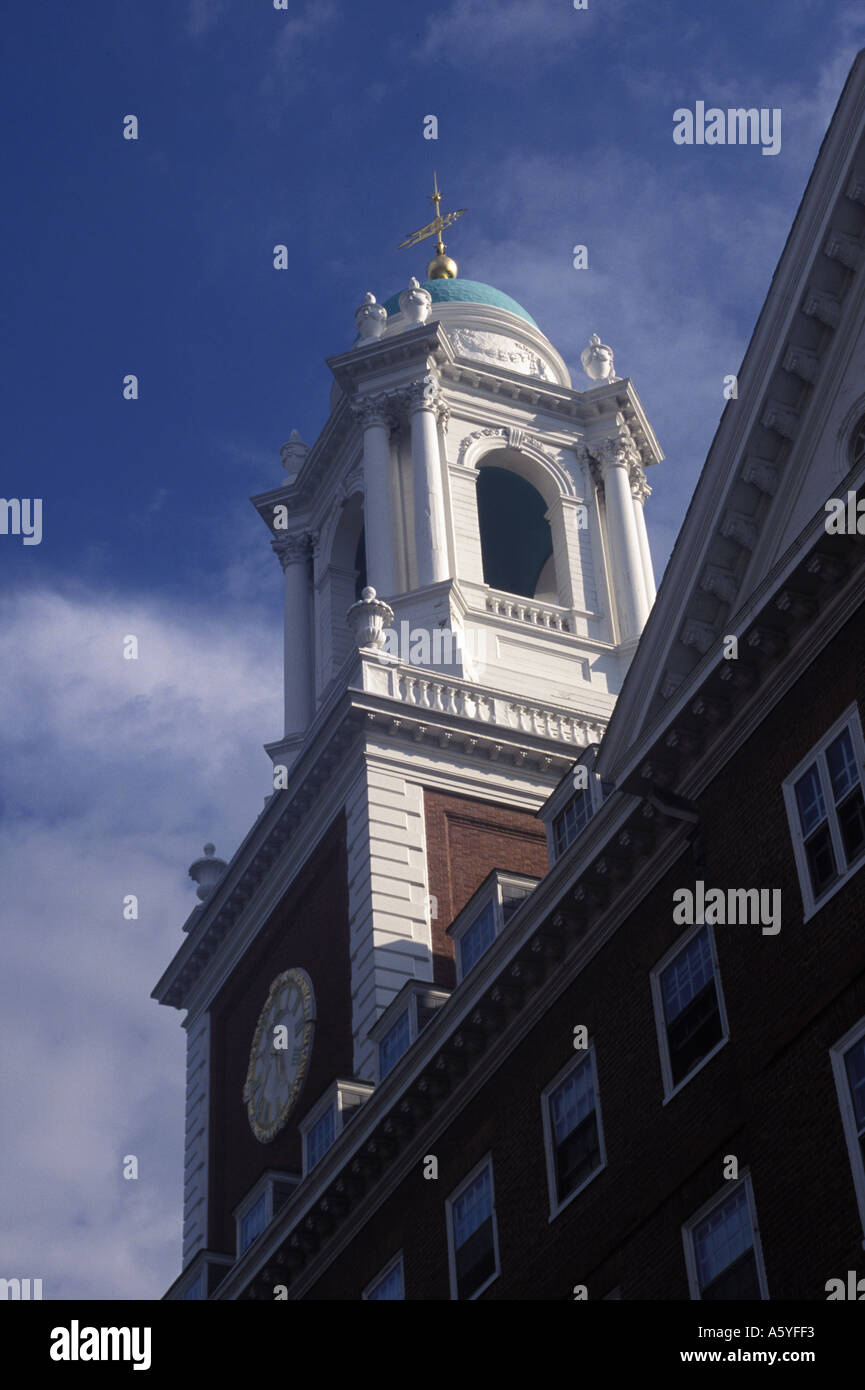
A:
(669, 1095)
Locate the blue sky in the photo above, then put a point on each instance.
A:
(301, 127)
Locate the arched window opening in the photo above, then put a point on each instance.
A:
(516, 541)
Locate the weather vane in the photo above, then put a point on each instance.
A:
(441, 267)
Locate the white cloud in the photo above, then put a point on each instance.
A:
(115, 774)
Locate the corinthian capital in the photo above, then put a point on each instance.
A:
(639, 487)
(292, 549)
(619, 451)
(373, 410)
(426, 394)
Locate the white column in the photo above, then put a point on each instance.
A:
(424, 404)
(294, 554)
(625, 558)
(378, 492)
(640, 491)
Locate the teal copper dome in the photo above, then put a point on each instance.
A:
(465, 292)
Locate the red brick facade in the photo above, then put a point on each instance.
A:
(309, 930)
(466, 840)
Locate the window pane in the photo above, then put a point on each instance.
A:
(739, 1281)
(809, 799)
(479, 937)
(577, 1156)
(855, 1063)
(320, 1138)
(252, 1224)
(475, 1261)
(571, 1102)
(472, 1207)
(573, 819)
(686, 975)
(694, 1033)
(390, 1287)
(841, 762)
(394, 1044)
(851, 819)
(821, 860)
(723, 1236)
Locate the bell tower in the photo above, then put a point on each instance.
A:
(466, 575)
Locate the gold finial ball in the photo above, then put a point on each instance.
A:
(441, 267)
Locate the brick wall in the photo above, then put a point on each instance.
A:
(309, 930)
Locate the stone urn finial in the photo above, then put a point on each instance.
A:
(293, 453)
(597, 360)
(415, 303)
(368, 619)
(370, 319)
(207, 872)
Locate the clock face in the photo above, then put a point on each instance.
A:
(279, 1056)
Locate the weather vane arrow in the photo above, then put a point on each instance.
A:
(442, 267)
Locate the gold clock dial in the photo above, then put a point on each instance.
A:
(279, 1056)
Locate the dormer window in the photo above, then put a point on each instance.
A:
(403, 1020)
(394, 1043)
(324, 1123)
(576, 799)
(260, 1205)
(575, 817)
(485, 915)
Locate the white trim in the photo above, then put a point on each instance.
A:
(671, 1089)
(848, 1119)
(688, 1235)
(579, 1059)
(817, 754)
(486, 1161)
(383, 1274)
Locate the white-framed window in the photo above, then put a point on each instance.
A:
(573, 1134)
(826, 811)
(322, 1125)
(473, 1240)
(485, 915)
(722, 1247)
(848, 1067)
(261, 1203)
(572, 819)
(689, 1007)
(404, 1020)
(389, 1284)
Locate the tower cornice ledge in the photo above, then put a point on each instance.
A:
(388, 357)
